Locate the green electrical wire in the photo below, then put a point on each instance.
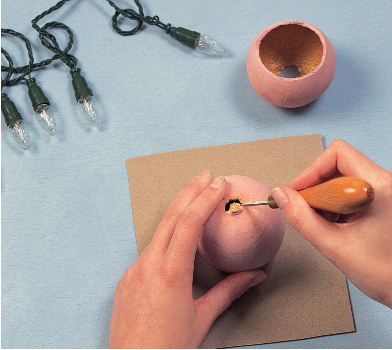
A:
(49, 40)
(6, 81)
(133, 15)
(8, 108)
(28, 68)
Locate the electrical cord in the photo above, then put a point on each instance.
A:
(133, 15)
(10, 69)
(49, 40)
(6, 81)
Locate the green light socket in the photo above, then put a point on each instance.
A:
(9, 110)
(80, 85)
(185, 36)
(36, 94)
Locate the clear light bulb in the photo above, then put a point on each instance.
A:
(20, 134)
(45, 116)
(87, 103)
(208, 46)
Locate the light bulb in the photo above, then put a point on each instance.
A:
(14, 121)
(200, 42)
(89, 108)
(41, 106)
(84, 96)
(208, 46)
(20, 134)
(45, 117)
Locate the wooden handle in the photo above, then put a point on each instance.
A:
(343, 195)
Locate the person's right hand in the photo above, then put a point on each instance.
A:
(361, 246)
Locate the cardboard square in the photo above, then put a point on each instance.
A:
(304, 295)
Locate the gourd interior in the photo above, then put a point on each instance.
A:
(291, 45)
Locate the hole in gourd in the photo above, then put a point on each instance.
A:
(290, 72)
(233, 205)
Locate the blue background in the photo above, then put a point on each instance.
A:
(67, 229)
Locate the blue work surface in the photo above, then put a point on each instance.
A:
(67, 229)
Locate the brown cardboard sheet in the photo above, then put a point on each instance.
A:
(304, 295)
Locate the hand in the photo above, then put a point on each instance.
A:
(361, 247)
(153, 304)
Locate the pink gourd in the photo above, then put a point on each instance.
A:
(237, 238)
(286, 44)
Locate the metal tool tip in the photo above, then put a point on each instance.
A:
(264, 202)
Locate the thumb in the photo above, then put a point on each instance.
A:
(316, 229)
(218, 298)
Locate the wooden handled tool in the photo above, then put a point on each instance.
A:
(343, 195)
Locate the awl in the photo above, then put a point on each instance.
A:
(343, 195)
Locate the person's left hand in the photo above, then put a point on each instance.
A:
(153, 303)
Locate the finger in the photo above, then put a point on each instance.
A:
(218, 299)
(182, 248)
(186, 196)
(323, 234)
(338, 158)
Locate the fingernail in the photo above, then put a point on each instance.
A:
(203, 174)
(217, 182)
(280, 197)
(260, 277)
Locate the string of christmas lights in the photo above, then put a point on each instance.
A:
(83, 94)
